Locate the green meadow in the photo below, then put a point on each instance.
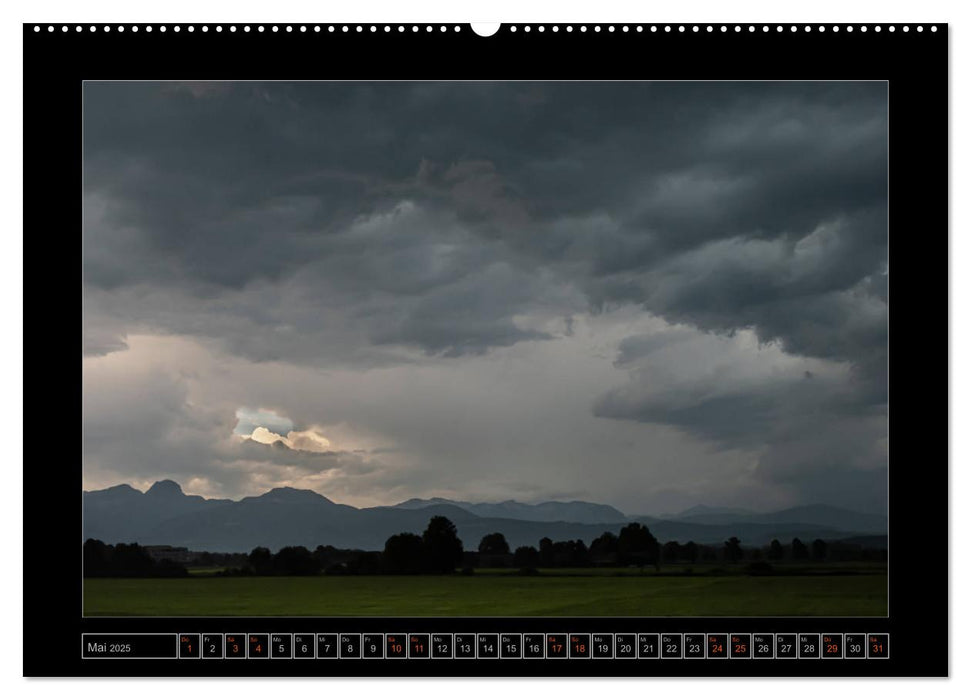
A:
(605, 593)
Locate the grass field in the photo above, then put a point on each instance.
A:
(492, 595)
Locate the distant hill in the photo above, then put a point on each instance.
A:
(867, 541)
(822, 515)
(287, 516)
(550, 511)
(702, 511)
(127, 511)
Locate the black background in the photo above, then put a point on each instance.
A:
(915, 65)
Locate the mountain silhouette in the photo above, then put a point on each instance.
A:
(286, 516)
(816, 514)
(165, 489)
(702, 511)
(286, 494)
(550, 511)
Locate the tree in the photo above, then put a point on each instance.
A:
(799, 550)
(733, 550)
(671, 551)
(603, 549)
(776, 552)
(525, 558)
(546, 552)
(95, 558)
(443, 548)
(578, 553)
(494, 544)
(637, 545)
(295, 561)
(404, 554)
(326, 555)
(819, 550)
(130, 560)
(364, 563)
(690, 551)
(261, 561)
(603, 545)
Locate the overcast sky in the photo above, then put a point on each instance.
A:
(651, 295)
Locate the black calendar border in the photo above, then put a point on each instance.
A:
(915, 65)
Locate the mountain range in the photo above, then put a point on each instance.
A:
(164, 514)
(548, 512)
(830, 516)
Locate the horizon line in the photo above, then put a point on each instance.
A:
(662, 516)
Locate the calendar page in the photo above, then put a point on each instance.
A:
(542, 342)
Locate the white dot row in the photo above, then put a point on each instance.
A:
(245, 28)
(725, 28)
(513, 28)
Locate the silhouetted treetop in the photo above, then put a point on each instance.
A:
(404, 554)
(443, 548)
(494, 543)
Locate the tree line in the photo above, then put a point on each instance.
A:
(125, 560)
(438, 550)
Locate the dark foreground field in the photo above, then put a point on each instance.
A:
(499, 595)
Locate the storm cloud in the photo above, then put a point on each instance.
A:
(646, 294)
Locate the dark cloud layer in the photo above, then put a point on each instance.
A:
(372, 225)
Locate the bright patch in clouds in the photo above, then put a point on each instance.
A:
(249, 419)
(266, 426)
(306, 440)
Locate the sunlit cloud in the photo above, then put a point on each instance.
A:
(249, 419)
(306, 440)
